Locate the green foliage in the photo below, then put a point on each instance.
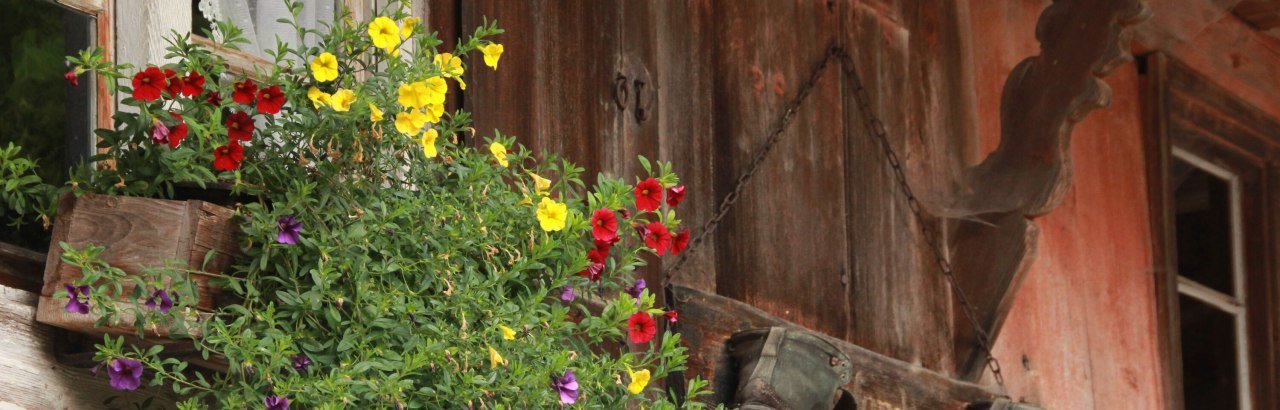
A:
(408, 266)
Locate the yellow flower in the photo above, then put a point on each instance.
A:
(552, 214)
(407, 26)
(410, 122)
(540, 185)
(318, 98)
(639, 380)
(526, 201)
(342, 100)
(495, 359)
(428, 142)
(375, 114)
(492, 52)
(433, 112)
(325, 67)
(435, 90)
(507, 333)
(450, 66)
(499, 153)
(384, 33)
(409, 94)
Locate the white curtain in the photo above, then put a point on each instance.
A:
(258, 20)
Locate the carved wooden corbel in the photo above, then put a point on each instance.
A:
(994, 239)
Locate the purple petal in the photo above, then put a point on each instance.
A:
(160, 133)
(287, 237)
(125, 373)
(568, 295)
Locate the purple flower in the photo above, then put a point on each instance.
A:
(636, 289)
(301, 362)
(79, 296)
(159, 132)
(275, 402)
(163, 298)
(126, 373)
(568, 295)
(289, 229)
(567, 386)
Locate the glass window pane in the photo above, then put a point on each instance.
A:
(1202, 218)
(39, 111)
(1208, 356)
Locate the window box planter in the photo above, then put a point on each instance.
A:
(137, 233)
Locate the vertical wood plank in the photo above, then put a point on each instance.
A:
(783, 248)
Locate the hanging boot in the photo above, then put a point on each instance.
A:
(789, 369)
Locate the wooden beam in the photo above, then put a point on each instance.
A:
(1261, 14)
(21, 268)
(707, 321)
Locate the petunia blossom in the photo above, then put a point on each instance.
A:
(301, 362)
(637, 289)
(125, 373)
(639, 380)
(507, 333)
(648, 195)
(160, 300)
(641, 327)
(604, 225)
(239, 126)
(228, 157)
(679, 242)
(492, 52)
(324, 67)
(72, 78)
(147, 84)
(288, 230)
(567, 386)
(192, 84)
(270, 100)
(244, 91)
(274, 402)
(671, 315)
(174, 83)
(657, 237)
(592, 272)
(178, 132)
(552, 215)
(79, 296)
(159, 132)
(568, 294)
(675, 194)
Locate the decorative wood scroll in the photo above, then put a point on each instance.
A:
(1030, 171)
(878, 382)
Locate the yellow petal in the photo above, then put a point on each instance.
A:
(552, 215)
(375, 114)
(507, 333)
(384, 33)
(500, 153)
(433, 112)
(639, 380)
(492, 52)
(540, 185)
(324, 67)
(428, 142)
(435, 89)
(342, 100)
(318, 98)
(406, 28)
(495, 359)
(404, 123)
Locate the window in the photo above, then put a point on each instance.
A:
(1214, 189)
(258, 20)
(51, 120)
(1210, 284)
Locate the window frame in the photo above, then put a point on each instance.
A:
(1190, 117)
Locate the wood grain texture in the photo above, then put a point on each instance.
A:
(20, 267)
(33, 378)
(878, 382)
(1262, 14)
(1030, 171)
(137, 234)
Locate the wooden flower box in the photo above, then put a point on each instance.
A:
(137, 233)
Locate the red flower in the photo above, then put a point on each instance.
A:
(598, 255)
(648, 195)
(671, 315)
(679, 242)
(228, 157)
(657, 237)
(213, 97)
(675, 194)
(270, 100)
(592, 272)
(72, 78)
(239, 126)
(624, 213)
(244, 91)
(641, 328)
(147, 84)
(192, 84)
(177, 133)
(604, 225)
(175, 83)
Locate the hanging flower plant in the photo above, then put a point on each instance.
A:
(391, 257)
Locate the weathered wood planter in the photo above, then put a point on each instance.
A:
(136, 233)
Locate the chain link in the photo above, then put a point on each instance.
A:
(877, 129)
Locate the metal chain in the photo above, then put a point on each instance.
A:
(876, 128)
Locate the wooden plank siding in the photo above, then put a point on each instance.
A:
(821, 237)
